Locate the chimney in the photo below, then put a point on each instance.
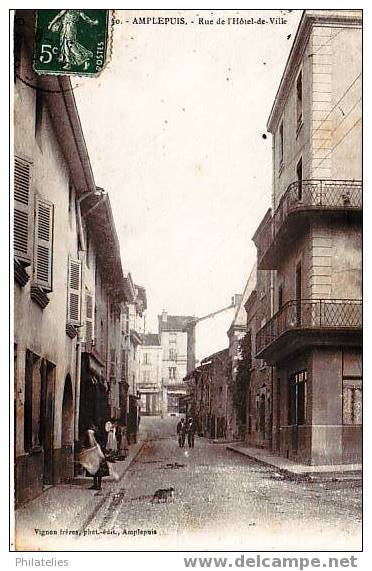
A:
(164, 316)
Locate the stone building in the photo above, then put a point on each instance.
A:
(105, 293)
(136, 320)
(311, 241)
(208, 384)
(174, 343)
(149, 378)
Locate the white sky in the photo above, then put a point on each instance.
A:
(174, 131)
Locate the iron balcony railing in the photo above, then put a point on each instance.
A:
(314, 194)
(339, 314)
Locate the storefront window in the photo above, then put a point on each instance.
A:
(297, 398)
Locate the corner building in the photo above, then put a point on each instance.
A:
(311, 242)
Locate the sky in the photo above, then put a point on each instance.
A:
(174, 127)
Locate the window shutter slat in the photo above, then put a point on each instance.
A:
(43, 244)
(74, 292)
(22, 178)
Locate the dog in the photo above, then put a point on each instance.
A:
(163, 495)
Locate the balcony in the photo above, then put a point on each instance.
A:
(300, 200)
(300, 323)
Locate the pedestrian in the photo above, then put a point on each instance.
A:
(190, 430)
(122, 440)
(111, 444)
(92, 457)
(181, 432)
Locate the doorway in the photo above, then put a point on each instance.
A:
(46, 428)
(67, 433)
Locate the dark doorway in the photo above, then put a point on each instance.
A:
(67, 434)
(46, 429)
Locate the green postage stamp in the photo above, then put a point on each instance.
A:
(71, 42)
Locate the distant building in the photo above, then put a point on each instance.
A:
(149, 382)
(208, 394)
(311, 241)
(173, 339)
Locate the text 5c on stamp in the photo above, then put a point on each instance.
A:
(71, 42)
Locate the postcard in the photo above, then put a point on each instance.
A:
(187, 244)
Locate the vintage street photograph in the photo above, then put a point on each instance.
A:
(186, 191)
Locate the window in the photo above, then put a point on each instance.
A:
(172, 338)
(172, 373)
(22, 182)
(43, 245)
(123, 364)
(280, 296)
(299, 99)
(146, 376)
(172, 354)
(281, 145)
(112, 362)
(74, 292)
(299, 176)
(297, 398)
(31, 401)
(146, 359)
(352, 401)
(89, 323)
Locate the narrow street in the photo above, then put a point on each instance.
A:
(222, 501)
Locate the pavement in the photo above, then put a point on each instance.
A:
(298, 470)
(222, 501)
(67, 507)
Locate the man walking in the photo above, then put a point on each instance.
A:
(191, 429)
(181, 432)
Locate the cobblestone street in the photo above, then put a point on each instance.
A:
(223, 501)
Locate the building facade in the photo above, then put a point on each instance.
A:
(208, 394)
(174, 343)
(260, 384)
(311, 242)
(71, 298)
(149, 378)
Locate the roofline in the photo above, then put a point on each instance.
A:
(308, 20)
(215, 355)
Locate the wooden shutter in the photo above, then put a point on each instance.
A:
(74, 292)
(22, 179)
(89, 331)
(43, 247)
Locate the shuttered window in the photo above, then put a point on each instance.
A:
(74, 292)
(112, 362)
(43, 247)
(89, 331)
(22, 180)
